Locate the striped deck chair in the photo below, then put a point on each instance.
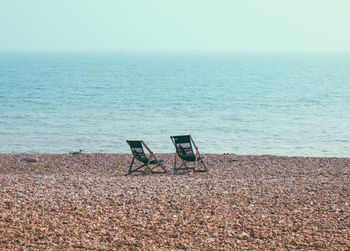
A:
(149, 164)
(184, 151)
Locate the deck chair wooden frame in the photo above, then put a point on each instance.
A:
(149, 164)
(188, 155)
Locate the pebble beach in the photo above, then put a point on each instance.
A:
(85, 202)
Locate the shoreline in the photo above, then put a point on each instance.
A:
(172, 153)
(85, 201)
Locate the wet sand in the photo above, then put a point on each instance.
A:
(85, 201)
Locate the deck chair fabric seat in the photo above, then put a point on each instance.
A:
(183, 145)
(137, 150)
(139, 154)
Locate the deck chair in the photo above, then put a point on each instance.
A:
(148, 163)
(184, 151)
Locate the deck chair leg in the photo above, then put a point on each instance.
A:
(158, 164)
(137, 169)
(163, 167)
(183, 167)
(202, 162)
(196, 161)
(179, 168)
(132, 163)
(175, 161)
(184, 164)
(205, 166)
(161, 164)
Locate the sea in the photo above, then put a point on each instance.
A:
(289, 104)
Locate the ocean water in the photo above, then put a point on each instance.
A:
(283, 104)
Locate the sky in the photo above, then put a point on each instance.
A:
(175, 25)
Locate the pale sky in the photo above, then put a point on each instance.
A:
(180, 25)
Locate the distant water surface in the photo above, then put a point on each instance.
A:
(283, 104)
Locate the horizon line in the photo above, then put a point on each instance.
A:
(175, 51)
